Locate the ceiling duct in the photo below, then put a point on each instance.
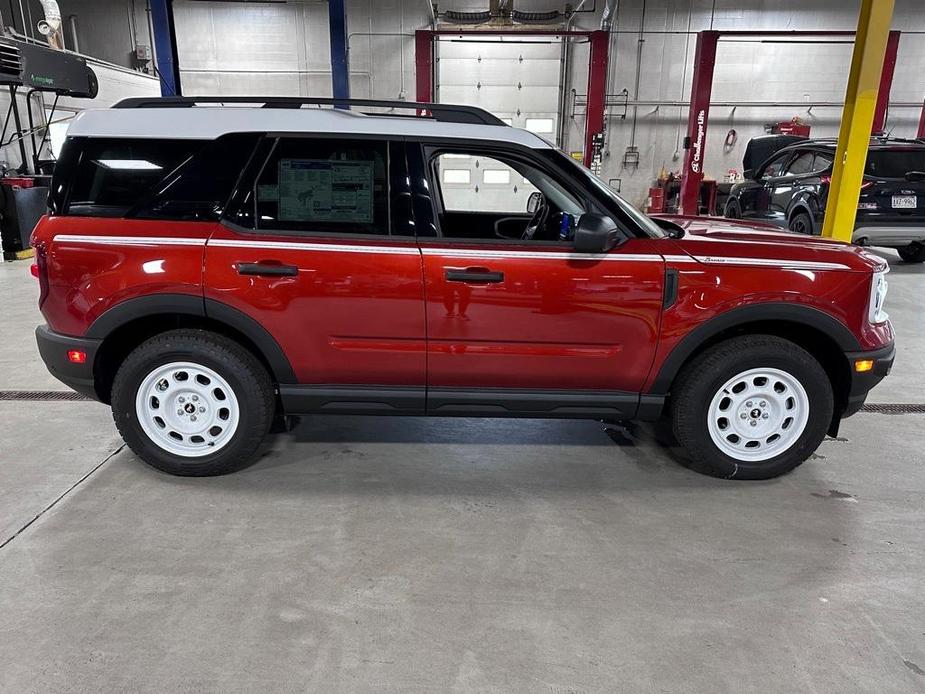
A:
(467, 17)
(608, 15)
(50, 27)
(536, 17)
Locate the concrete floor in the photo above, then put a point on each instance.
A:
(413, 555)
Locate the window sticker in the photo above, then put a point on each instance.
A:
(321, 190)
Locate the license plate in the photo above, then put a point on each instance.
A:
(904, 202)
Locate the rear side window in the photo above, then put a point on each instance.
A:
(108, 177)
(894, 163)
(802, 164)
(324, 185)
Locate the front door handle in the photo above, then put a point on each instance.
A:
(266, 269)
(479, 275)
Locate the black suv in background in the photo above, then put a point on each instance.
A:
(790, 186)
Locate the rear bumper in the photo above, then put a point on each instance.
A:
(54, 347)
(862, 383)
(892, 232)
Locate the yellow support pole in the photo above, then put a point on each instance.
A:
(857, 118)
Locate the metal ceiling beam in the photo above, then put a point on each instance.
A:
(340, 63)
(165, 47)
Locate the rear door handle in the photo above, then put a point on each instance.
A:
(474, 275)
(265, 269)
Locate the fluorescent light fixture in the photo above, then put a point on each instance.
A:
(128, 164)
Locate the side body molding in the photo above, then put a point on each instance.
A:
(192, 305)
(800, 314)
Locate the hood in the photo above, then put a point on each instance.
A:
(726, 240)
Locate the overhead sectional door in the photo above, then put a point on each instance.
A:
(518, 82)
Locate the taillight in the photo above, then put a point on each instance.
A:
(40, 270)
(864, 185)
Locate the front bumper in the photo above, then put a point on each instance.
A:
(862, 383)
(54, 348)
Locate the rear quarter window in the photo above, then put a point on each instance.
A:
(108, 177)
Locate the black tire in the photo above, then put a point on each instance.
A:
(703, 377)
(245, 375)
(732, 211)
(913, 253)
(801, 223)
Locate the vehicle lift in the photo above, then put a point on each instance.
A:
(866, 101)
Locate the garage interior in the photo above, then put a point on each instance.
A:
(406, 554)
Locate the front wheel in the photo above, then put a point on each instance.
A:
(752, 407)
(192, 403)
(913, 253)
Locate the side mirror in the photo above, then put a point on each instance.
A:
(596, 233)
(749, 174)
(534, 202)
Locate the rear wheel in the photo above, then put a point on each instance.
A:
(732, 211)
(192, 403)
(801, 223)
(913, 253)
(752, 407)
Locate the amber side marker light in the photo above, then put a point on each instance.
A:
(75, 356)
(862, 365)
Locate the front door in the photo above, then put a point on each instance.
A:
(516, 318)
(319, 250)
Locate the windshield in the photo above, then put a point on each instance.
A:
(630, 215)
(894, 163)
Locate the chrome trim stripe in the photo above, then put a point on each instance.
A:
(323, 247)
(446, 252)
(535, 255)
(129, 240)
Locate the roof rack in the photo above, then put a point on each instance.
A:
(447, 113)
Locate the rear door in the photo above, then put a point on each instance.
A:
(318, 248)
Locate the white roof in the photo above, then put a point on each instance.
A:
(210, 122)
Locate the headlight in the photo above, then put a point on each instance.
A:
(878, 287)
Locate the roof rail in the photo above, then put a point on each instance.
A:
(448, 113)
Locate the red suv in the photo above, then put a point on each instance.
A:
(209, 269)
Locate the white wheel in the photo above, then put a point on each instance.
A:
(758, 414)
(187, 409)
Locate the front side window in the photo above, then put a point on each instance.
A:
(776, 167)
(324, 185)
(500, 197)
